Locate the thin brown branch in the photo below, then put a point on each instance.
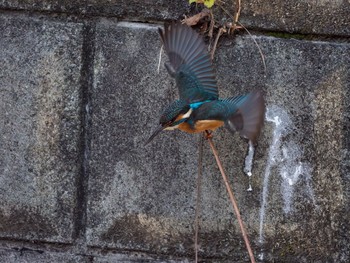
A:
(160, 58)
(238, 11)
(198, 197)
(227, 12)
(212, 53)
(232, 197)
(211, 26)
(257, 45)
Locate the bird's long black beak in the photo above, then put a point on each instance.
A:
(155, 133)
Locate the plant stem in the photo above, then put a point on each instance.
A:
(232, 197)
(198, 197)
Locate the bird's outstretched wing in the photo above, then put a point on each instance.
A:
(248, 117)
(189, 63)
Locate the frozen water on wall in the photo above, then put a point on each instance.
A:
(282, 122)
(286, 157)
(293, 170)
(248, 164)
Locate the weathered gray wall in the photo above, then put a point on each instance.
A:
(80, 94)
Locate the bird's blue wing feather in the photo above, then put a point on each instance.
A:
(189, 63)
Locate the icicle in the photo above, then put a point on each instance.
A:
(248, 164)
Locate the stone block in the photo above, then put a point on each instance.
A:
(139, 10)
(132, 9)
(301, 178)
(143, 197)
(20, 255)
(131, 186)
(306, 17)
(324, 17)
(40, 127)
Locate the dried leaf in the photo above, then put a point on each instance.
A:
(193, 20)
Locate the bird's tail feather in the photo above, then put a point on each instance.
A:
(249, 118)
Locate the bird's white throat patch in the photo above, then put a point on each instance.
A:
(186, 115)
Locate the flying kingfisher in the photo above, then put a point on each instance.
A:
(199, 107)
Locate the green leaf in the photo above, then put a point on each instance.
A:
(207, 3)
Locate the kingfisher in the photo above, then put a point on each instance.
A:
(199, 107)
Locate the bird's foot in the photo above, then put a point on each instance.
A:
(208, 134)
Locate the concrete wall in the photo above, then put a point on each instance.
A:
(80, 93)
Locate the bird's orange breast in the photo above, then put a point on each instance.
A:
(201, 126)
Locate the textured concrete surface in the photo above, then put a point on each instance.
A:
(39, 127)
(142, 198)
(132, 9)
(80, 94)
(306, 87)
(18, 255)
(138, 182)
(306, 17)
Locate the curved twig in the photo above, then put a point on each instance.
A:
(198, 197)
(232, 197)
